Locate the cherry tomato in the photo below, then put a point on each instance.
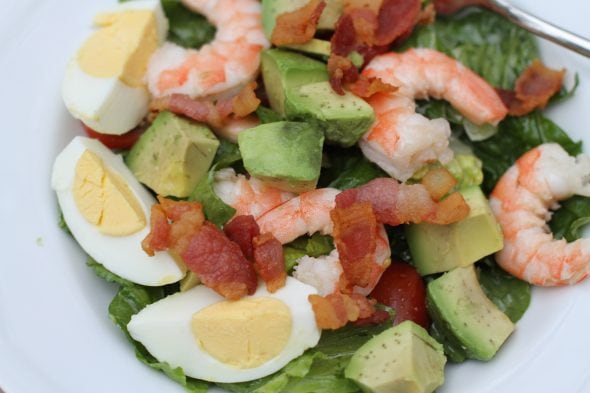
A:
(124, 141)
(401, 287)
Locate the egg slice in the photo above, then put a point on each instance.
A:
(218, 340)
(107, 210)
(104, 83)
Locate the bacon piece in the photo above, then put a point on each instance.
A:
(395, 203)
(219, 263)
(337, 309)
(341, 71)
(208, 111)
(187, 219)
(438, 182)
(366, 87)
(299, 26)
(451, 209)
(368, 28)
(533, 89)
(427, 15)
(396, 18)
(159, 237)
(354, 234)
(242, 230)
(172, 224)
(269, 261)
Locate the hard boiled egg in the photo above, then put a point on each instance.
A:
(217, 340)
(104, 83)
(107, 211)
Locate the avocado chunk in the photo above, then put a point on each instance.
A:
(439, 248)
(271, 9)
(172, 155)
(344, 118)
(283, 70)
(287, 155)
(317, 47)
(401, 359)
(457, 302)
(298, 89)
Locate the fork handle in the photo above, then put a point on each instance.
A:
(540, 27)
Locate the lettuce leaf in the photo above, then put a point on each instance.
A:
(345, 168)
(214, 208)
(511, 295)
(187, 28)
(569, 220)
(314, 246)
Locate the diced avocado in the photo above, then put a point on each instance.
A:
(330, 14)
(271, 9)
(172, 155)
(456, 301)
(439, 248)
(344, 118)
(283, 70)
(401, 359)
(287, 155)
(315, 47)
(298, 89)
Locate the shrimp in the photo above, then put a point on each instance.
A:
(233, 126)
(221, 67)
(402, 141)
(249, 196)
(521, 202)
(310, 213)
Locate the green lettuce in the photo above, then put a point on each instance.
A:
(345, 168)
(313, 246)
(214, 208)
(571, 218)
(187, 28)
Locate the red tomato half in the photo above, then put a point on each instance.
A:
(401, 287)
(124, 141)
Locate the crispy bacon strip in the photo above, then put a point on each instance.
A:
(299, 26)
(438, 182)
(269, 261)
(159, 237)
(172, 224)
(395, 203)
(337, 309)
(180, 227)
(207, 111)
(368, 28)
(354, 233)
(242, 230)
(219, 263)
(366, 87)
(533, 89)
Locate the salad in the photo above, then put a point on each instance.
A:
(344, 167)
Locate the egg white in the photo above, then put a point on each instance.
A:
(107, 105)
(164, 328)
(121, 255)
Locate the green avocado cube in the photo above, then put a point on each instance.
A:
(457, 302)
(172, 155)
(344, 118)
(283, 70)
(401, 359)
(287, 155)
(440, 248)
(298, 88)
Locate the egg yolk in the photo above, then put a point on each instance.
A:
(104, 198)
(244, 333)
(121, 47)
